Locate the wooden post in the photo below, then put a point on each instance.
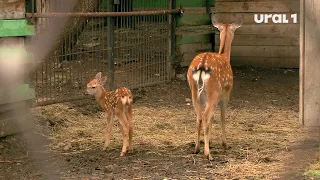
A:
(309, 63)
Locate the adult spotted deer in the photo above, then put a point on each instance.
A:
(210, 79)
(115, 103)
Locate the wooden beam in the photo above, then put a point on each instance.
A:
(257, 7)
(269, 62)
(263, 40)
(271, 29)
(265, 51)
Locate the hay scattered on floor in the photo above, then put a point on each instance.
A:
(260, 130)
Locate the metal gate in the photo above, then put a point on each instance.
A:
(129, 41)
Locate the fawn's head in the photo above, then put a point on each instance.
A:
(95, 84)
(226, 30)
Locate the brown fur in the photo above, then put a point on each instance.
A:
(216, 71)
(115, 103)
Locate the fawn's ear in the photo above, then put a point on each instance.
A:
(215, 22)
(98, 76)
(103, 80)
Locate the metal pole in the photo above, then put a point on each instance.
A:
(173, 5)
(110, 43)
(103, 14)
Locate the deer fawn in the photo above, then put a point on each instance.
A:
(115, 103)
(210, 79)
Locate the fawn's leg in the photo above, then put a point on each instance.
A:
(109, 116)
(207, 122)
(125, 130)
(223, 105)
(130, 124)
(197, 108)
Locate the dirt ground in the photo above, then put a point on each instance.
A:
(263, 132)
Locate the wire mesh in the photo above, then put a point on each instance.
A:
(141, 53)
(141, 47)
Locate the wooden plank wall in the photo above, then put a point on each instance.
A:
(309, 71)
(194, 30)
(264, 45)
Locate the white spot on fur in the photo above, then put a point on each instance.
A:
(205, 76)
(195, 76)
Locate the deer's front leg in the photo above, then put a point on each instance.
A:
(109, 117)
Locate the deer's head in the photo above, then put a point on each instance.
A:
(96, 84)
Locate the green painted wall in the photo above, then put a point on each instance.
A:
(15, 28)
(194, 19)
(193, 38)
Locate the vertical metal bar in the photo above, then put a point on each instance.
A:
(110, 22)
(172, 44)
(33, 10)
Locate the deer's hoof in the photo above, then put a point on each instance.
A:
(196, 151)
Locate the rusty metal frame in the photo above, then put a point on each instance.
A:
(104, 14)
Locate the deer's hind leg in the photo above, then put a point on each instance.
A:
(223, 105)
(120, 113)
(197, 108)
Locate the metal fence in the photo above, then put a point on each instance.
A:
(139, 45)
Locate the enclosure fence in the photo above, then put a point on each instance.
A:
(129, 41)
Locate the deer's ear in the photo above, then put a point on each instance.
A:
(103, 80)
(98, 75)
(238, 22)
(215, 22)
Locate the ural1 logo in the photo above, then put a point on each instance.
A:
(275, 18)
